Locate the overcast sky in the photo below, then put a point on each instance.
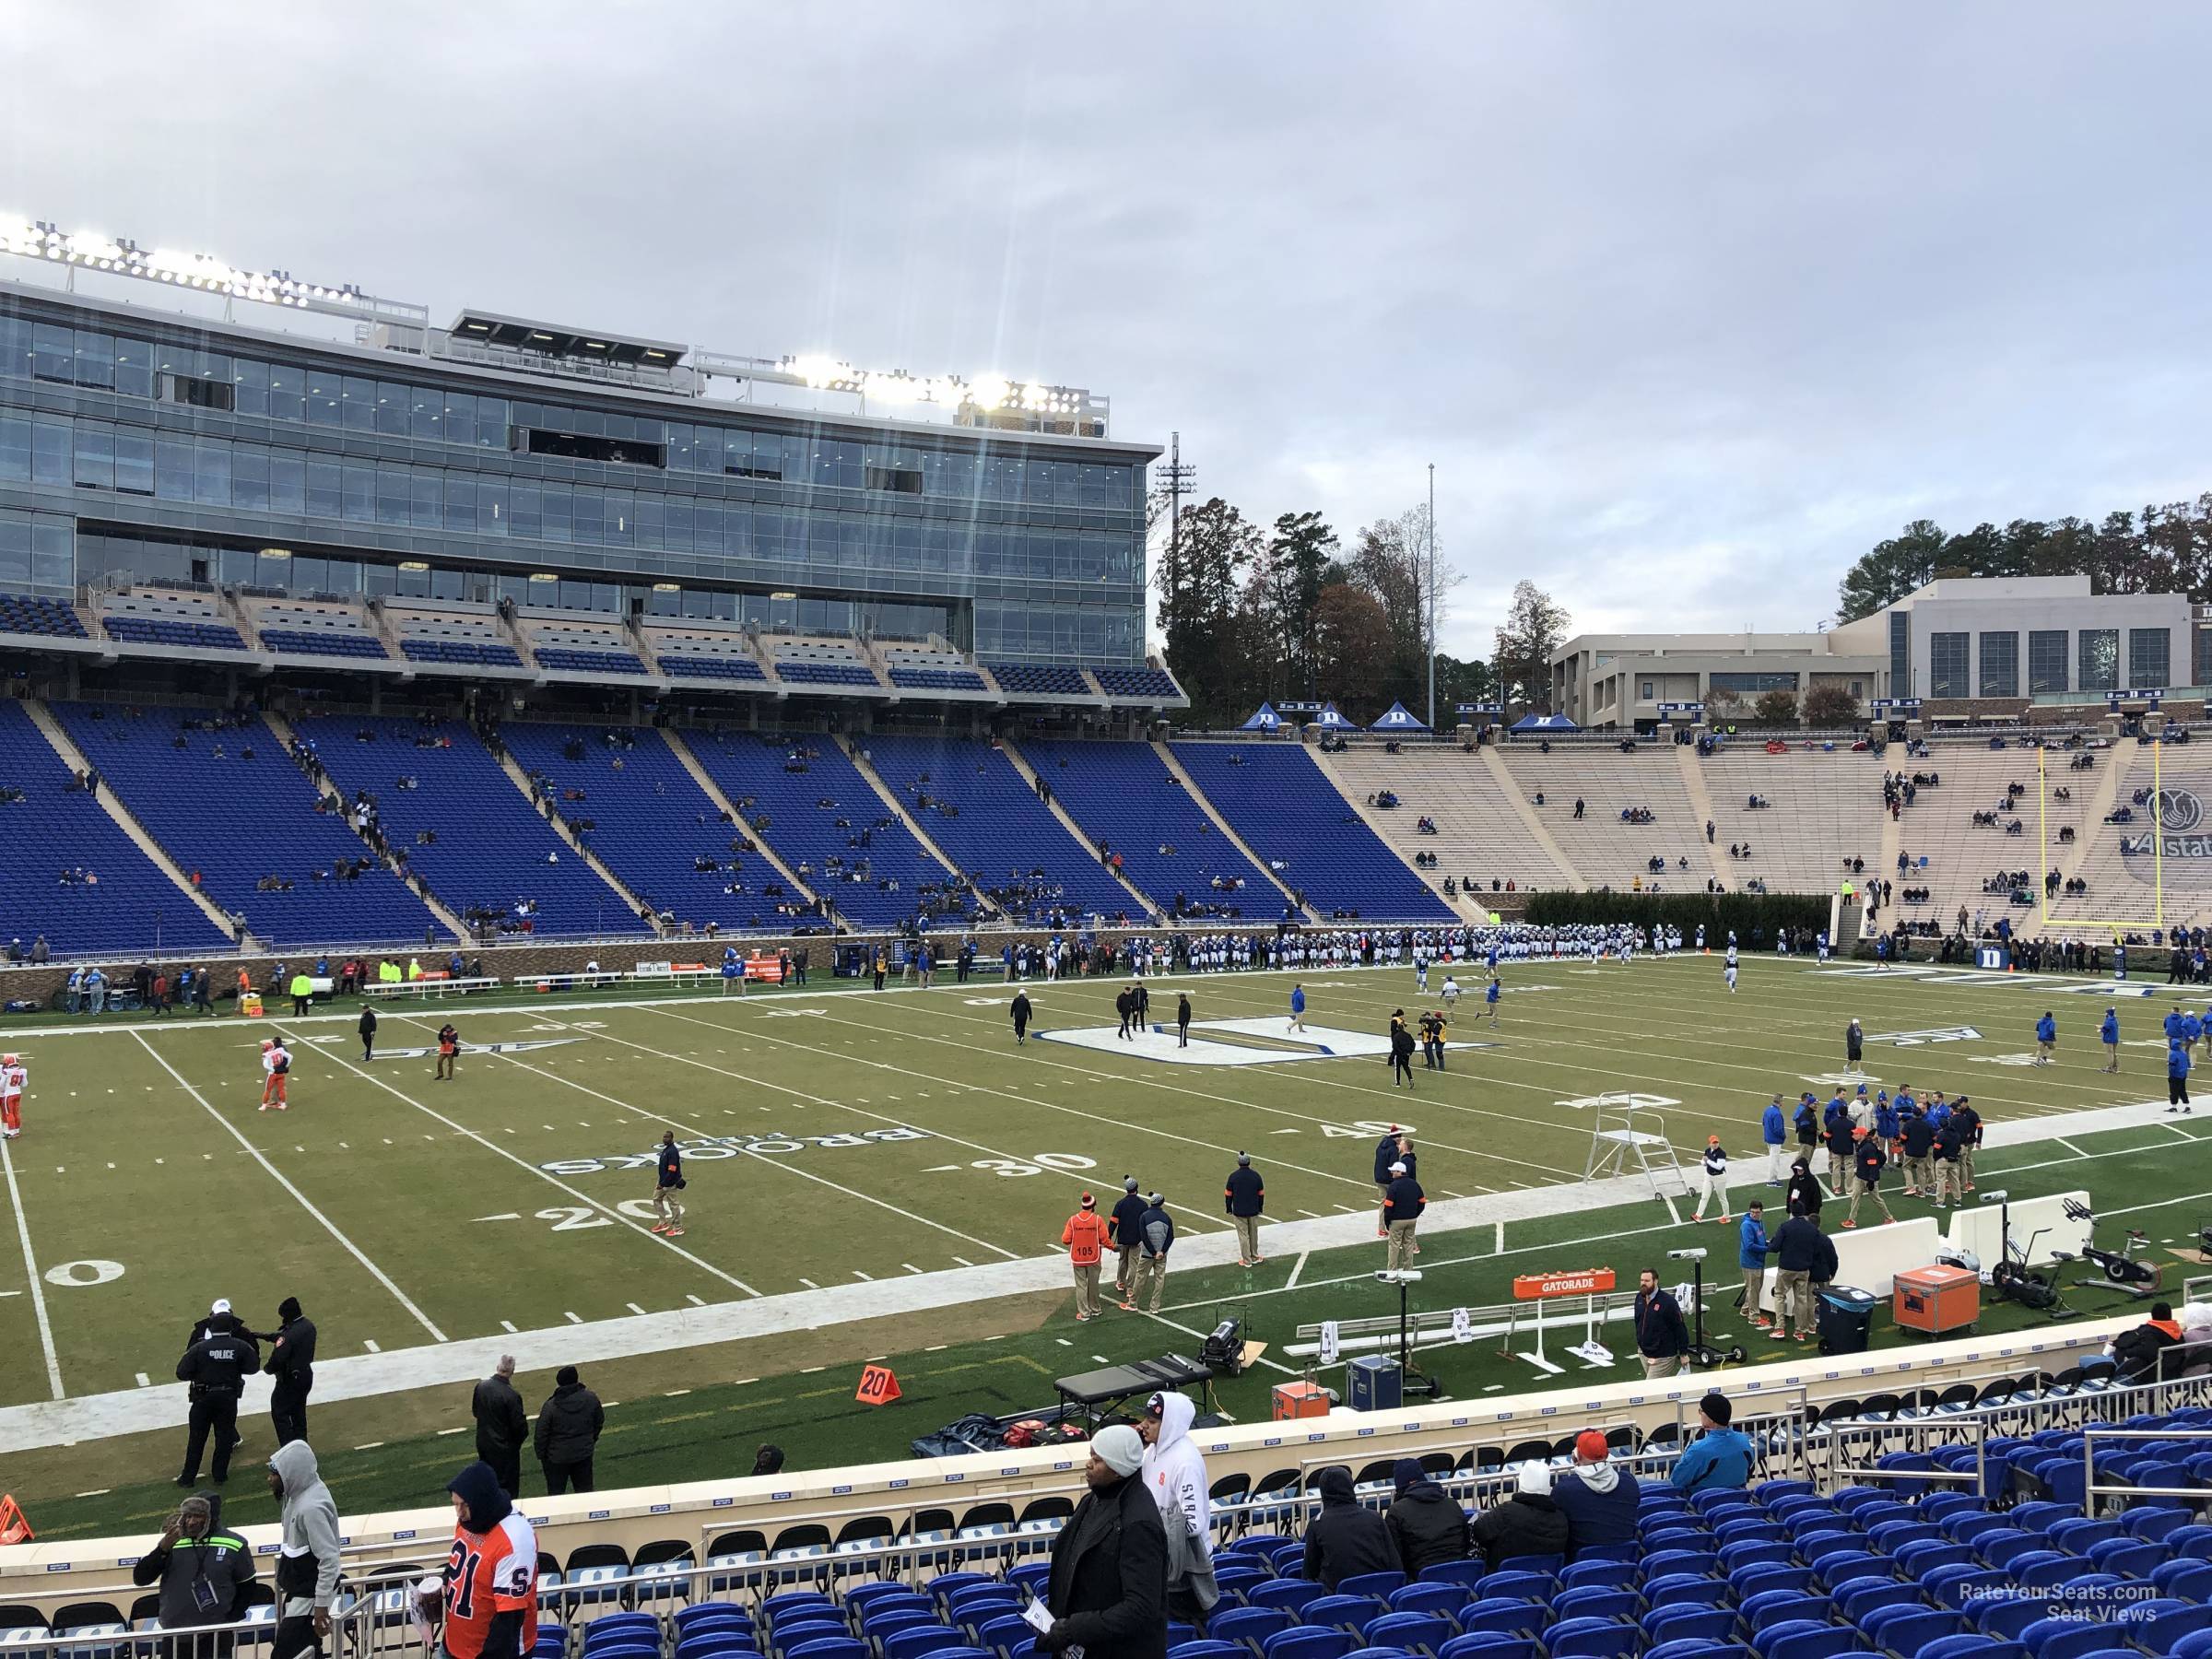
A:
(1689, 304)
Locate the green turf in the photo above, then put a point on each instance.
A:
(123, 1163)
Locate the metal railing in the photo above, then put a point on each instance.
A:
(2090, 1491)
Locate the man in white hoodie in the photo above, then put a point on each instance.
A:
(1175, 1473)
(306, 1571)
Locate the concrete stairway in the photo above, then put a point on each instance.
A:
(1144, 906)
(722, 803)
(1530, 819)
(521, 780)
(1693, 781)
(1167, 758)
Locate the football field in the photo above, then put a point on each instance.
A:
(891, 1163)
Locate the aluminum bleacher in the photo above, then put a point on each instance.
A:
(1606, 851)
(1479, 837)
(807, 800)
(1821, 809)
(1124, 794)
(129, 903)
(985, 817)
(654, 822)
(1290, 814)
(493, 853)
(230, 804)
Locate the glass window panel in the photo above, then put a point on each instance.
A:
(617, 515)
(557, 513)
(426, 413)
(2149, 657)
(15, 548)
(392, 400)
(460, 423)
(2098, 659)
(52, 352)
(94, 458)
(587, 515)
(360, 493)
(390, 495)
(250, 387)
(14, 449)
(15, 349)
(134, 367)
(325, 489)
(2046, 661)
(173, 470)
(211, 474)
(460, 502)
(412, 585)
(706, 526)
(1948, 673)
(525, 516)
(2001, 664)
(134, 462)
(52, 550)
(449, 584)
(51, 461)
(357, 403)
(310, 576)
(492, 423)
(325, 398)
(95, 359)
(650, 529)
(380, 580)
(491, 505)
(424, 506)
(288, 388)
(288, 483)
(250, 478)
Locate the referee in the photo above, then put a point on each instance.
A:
(666, 1203)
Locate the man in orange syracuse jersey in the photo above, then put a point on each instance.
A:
(490, 1573)
(277, 1067)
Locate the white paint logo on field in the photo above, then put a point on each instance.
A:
(1640, 1101)
(1918, 1039)
(708, 1147)
(468, 1048)
(1159, 1043)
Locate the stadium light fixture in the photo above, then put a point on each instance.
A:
(93, 250)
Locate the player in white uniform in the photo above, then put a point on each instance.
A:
(13, 1081)
(1450, 989)
(1420, 972)
(1729, 972)
(276, 1070)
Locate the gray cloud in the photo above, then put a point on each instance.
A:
(1689, 304)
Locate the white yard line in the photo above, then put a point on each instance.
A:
(608, 1210)
(31, 1270)
(1297, 1269)
(278, 1176)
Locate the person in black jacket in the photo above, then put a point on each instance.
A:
(292, 1363)
(1107, 1592)
(1346, 1537)
(1245, 1197)
(216, 1368)
(1124, 1004)
(1182, 1022)
(1660, 1336)
(368, 1032)
(1401, 1055)
(1125, 1233)
(1426, 1522)
(2134, 1352)
(1528, 1522)
(1598, 1496)
(1803, 1194)
(1841, 1147)
(568, 1433)
(1803, 1258)
(1021, 1010)
(503, 1427)
(205, 1571)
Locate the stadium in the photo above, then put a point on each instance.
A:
(559, 854)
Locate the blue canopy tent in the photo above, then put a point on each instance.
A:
(1545, 723)
(1264, 720)
(1399, 718)
(1328, 720)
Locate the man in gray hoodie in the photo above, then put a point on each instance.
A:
(307, 1570)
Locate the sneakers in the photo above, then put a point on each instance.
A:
(1242, 1263)
(1695, 1219)
(658, 1227)
(1126, 1307)
(1726, 1220)
(1082, 1319)
(1850, 1223)
(673, 1232)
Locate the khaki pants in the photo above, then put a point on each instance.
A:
(1401, 1245)
(668, 1204)
(1862, 1190)
(1951, 1183)
(1087, 1289)
(1777, 1172)
(1755, 1291)
(1839, 1174)
(1715, 1191)
(1920, 1175)
(1151, 1279)
(1966, 1163)
(1125, 1273)
(1792, 1301)
(1654, 1368)
(1248, 1237)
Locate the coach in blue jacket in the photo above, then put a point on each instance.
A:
(1774, 1130)
(1752, 1248)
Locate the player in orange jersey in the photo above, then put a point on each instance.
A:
(276, 1066)
(13, 1080)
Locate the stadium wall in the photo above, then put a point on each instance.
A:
(54, 1573)
(1743, 912)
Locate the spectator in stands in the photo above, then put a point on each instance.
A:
(768, 1460)
(205, 1582)
(1528, 1522)
(2134, 1352)
(1660, 1336)
(569, 1426)
(1597, 1495)
(1426, 1522)
(1347, 1538)
(306, 1571)
(501, 1426)
(1107, 1588)
(1720, 1458)
(1175, 1473)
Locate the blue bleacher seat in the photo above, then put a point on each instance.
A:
(986, 818)
(1414, 1632)
(1509, 1618)
(1136, 684)
(237, 821)
(1427, 1598)
(50, 618)
(55, 828)
(154, 631)
(804, 673)
(936, 679)
(493, 849)
(1288, 811)
(1208, 1648)
(1592, 1639)
(1287, 1594)
(1468, 1572)
(1039, 679)
(478, 653)
(758, 768)
(1805, 1641)
(698, 665)
(572, 661)
(1491, 1644)
(323, 641)
(1664, 1623)
(1253, 1625)
(1303, 1642)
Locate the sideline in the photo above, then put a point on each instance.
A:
(361, 1376)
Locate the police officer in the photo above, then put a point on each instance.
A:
(292, 1363)
(214, 1369)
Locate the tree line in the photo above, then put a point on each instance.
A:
(1290, 613)
(2157, 550)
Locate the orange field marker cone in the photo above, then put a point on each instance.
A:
(14, 1527)
(878, 1386)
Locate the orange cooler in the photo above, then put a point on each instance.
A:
(1933, 1300)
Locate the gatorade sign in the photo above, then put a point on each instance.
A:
(1591, 1281)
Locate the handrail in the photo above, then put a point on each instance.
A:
(2090, 1491)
